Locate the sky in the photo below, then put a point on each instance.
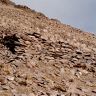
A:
(77, 13)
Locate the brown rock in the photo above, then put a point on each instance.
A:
(50, 58)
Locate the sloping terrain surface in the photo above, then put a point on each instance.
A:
(43, 57)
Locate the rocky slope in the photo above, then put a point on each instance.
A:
(42, 57)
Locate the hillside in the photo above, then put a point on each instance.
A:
(43, 57)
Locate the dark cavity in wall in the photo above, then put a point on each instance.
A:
(11, 42)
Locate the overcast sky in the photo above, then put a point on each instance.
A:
(78, 13)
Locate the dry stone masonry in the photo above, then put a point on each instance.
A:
(43, 57)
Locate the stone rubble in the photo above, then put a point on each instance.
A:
(54, 60)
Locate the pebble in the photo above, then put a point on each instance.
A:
(31, 94)
(78, 52)
(62, 71)
(24, 95)
(3, 81)
(10, 78)
(5, 87)
(84, 72)
(94, 91)
(27, 42)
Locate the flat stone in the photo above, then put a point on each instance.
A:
(78, 52)
(31, 94)
(94, 91)
(24, 95)
(27, 42)
(10, 78)
(5, 87)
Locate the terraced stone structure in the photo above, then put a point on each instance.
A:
(55, 59)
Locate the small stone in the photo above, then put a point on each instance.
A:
(62, 95)
(24, 95)
(23, 83)
(27, 42)
(15, 94)
(62, 71)
(79, 57)
(74, 59)
(94, 91)
(13, 91)
(49, 58)
(3, 81)
(71, 80)
(31, 63)
(78, 74)
(12, 86)
(5, 87)
(31, 94)
(10, 78)
(55, 93)
(89, 83)
(73, 71)
(28, 81)
(45, 30)
(94, 49)
(78, 52)
(84, 72)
